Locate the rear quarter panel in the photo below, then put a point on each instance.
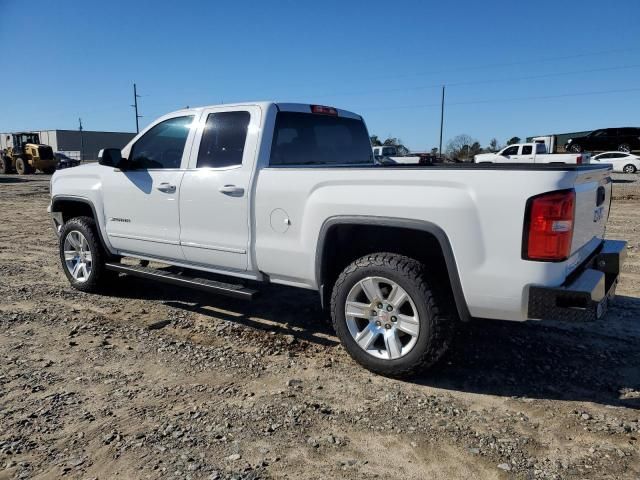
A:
(481, 212)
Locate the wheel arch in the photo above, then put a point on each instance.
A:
(323, 265)
(65, 207)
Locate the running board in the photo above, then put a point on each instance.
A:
(203, 284)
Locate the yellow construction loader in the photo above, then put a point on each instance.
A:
(23, 153)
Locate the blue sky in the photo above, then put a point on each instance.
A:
(512, 68)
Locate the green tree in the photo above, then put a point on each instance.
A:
(375, 141)
(493, 145)
(513, 140)
(390, 142)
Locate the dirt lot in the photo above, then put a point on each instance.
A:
(151, 381)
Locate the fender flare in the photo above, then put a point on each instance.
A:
(422, 225)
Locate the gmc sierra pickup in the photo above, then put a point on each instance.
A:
(231, 197)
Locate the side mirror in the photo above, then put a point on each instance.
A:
(111, 157)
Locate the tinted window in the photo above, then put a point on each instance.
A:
(541, 148)
(388, 151)
(162, 146)
(511, 151)
(629, 131)
(527, 149)
(600, 133)
(306, 138)
(223, 139)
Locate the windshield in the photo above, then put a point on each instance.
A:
(313, 139)
(28, 138)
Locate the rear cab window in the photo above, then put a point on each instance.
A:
(317, 139)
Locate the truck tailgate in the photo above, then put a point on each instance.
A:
(593, 198)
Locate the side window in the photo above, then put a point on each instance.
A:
(162, 146)
(541, 148)
(527, 149)
(223, 139)
(600, 133)
(511, 151)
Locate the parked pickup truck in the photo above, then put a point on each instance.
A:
(391, 151)
(234, 197)
(530, 153)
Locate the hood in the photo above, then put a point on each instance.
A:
(484, 156)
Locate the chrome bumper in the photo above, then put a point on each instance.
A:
(586, 293)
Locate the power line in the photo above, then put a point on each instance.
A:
(503, 100)
(482, 82)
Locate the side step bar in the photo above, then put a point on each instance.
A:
(203, 284)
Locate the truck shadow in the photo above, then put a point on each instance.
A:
(285, 310)
(13, 179)
(596, 362)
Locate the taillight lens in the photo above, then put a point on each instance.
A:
(579, 160)
(549, 226)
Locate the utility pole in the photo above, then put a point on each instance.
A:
(441, 122)
(135, 106)
(81, 141)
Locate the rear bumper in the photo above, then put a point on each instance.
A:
(586, 293)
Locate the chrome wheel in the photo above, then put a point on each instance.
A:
(629, 169)
(77, 256)
(382, 318)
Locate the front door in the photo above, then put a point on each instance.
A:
(142, 202)
(216, 189)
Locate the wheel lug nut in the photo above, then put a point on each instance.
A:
(380, 305)
(389, 308)
(378, 323)
(394, 319)
(374, 313)
(387, 326)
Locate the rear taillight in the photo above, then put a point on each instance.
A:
(549, 225)
(579, 160)
(324, 110)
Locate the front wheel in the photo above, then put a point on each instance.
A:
(629, 169)
(82, 255)
(23, 167)
(388, 317)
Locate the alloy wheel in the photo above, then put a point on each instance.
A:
(77, 256)
(382, 318)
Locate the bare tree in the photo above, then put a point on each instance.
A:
(462, 146)
(493, 145)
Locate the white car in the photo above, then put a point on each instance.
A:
(289, 194)
(621, 161)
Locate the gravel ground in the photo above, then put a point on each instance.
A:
(149, 381)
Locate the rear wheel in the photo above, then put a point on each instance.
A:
(5, 165)
(23, 167)
(82, 255)
(576, 148)
(629, 169)
(388, 316)
(624, 147)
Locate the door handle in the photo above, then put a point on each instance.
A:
(232, 190)
(166, 187)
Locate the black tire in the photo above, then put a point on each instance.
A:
(99, 275)
(5, 165)
(437, 324)
(624, 147)
(49, 170)
(575, 148)
(23, 167)
(629, 169)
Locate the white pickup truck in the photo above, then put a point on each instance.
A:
(530, 153)
(391, 151)
(232, 197)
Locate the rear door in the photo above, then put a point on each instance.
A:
(216, 188)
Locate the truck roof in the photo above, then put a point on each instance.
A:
(265, 105)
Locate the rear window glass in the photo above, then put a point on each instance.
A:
(313, 139)
(527, 149)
